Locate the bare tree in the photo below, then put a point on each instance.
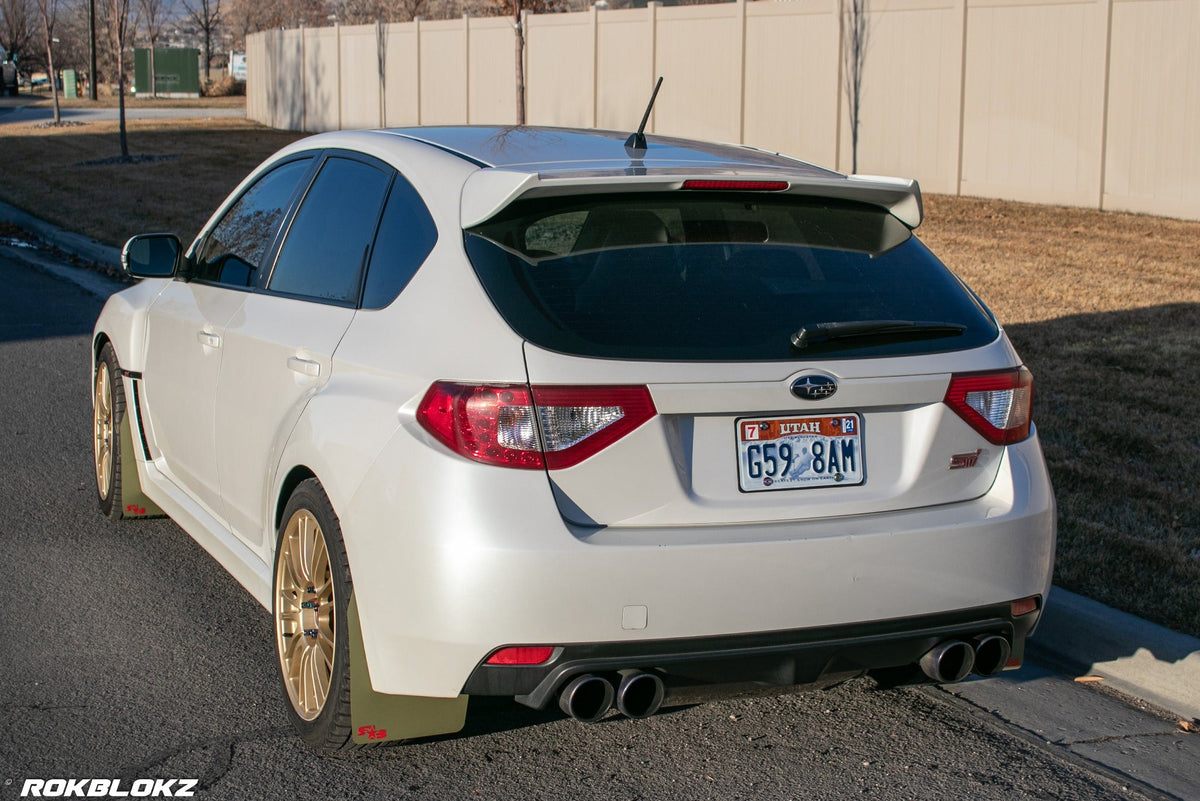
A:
(517, 8)
(49, 12)
(359, 12)
(70, 51)
(519, 27)
(155, 14)
(244, 17)
(119, 25)
(206, 14)
(17, 27)
(855, 31)
(408, 10)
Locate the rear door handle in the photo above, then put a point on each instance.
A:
(208, 340)
(304, 366)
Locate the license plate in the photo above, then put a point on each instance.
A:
(777, 453)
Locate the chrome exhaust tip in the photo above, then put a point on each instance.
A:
(640, 694)
(991, 654)
(586, 698)
(949, 661)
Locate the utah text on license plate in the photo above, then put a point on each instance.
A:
(799, 452)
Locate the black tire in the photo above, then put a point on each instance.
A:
(316, 615)
(108, 413)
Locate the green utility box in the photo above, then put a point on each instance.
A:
(70, 84)
(176, 72)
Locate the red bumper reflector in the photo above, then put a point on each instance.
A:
(739, 186)
(522, 655)
(1024, 606)
(1012, 664)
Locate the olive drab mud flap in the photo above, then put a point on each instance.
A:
(377, 717)
(134, 503)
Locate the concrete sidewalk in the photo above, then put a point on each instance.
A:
(1080, 636)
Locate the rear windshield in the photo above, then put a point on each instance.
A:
(687, 276)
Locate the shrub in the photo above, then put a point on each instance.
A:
(225, 87)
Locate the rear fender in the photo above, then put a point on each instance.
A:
(378, 717)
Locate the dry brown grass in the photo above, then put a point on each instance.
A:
(48, 175)
(1105, 308)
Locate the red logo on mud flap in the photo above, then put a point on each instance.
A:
(134, 509)
(372, 733)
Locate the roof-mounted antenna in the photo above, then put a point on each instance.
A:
(637, 141)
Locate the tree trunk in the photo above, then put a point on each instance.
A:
(92, 49)
(519, 23)
(121, 113)
(121, 97)
(53, 83)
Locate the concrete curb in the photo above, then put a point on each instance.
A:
(77, 244)
(1134, 656)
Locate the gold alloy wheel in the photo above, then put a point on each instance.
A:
(102, 429)
(304, 625)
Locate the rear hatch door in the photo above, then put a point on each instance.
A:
(797, 351)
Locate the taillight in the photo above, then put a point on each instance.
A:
(998, 405)
(515, 426)
(578, 422)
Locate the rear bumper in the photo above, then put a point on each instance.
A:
(445, 573)
(781, 658)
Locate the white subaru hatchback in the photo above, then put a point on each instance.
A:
(546, 414)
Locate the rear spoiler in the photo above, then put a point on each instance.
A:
(489, 191)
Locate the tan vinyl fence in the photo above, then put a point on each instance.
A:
(1077, 102)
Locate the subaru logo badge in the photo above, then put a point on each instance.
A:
(814, 386)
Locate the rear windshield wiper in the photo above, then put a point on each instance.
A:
(817, 333)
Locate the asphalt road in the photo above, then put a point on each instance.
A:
(132, 112)
(127, 652)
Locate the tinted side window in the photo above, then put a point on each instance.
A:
(233, 251)
(327, 244)
(406, 235)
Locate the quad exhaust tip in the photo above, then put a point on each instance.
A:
(949, 661)
(586, 698)
(954, 660)
(991, 654)
(640, 694)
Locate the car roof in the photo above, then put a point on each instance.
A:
(561, 150)
(498, 164)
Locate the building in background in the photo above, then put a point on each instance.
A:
(176, 72)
